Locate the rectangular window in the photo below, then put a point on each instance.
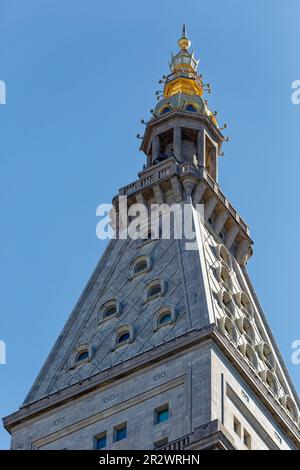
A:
(120, 432)
(237, 426)
(247, 439)
(161, 414)
(100, 441)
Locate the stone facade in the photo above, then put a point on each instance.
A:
(209, 375)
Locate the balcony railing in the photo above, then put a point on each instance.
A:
(164, 170)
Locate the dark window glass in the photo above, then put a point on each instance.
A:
(124, 337)
(140, 266)
(120, 433)
(82, 356)
(161, 415)
(165, 318)
(154, 290)
(190, 107)
(100, 442)
(166, 109)
(110, 311)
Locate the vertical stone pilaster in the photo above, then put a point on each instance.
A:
(177, 189)
(155, 147)
(200, 148)
(159, 194)
(214, 163)
(177, 142)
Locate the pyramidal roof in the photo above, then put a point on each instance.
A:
(195, 288)
(146, 294)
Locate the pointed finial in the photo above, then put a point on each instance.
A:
(184, 43)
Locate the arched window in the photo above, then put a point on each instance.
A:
(139, 266)
(82, 356)
(191, 107)
(166, 109)
(154, 289)
(123, 337)
(164, 316)
(109, 310)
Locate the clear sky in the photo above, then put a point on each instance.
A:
(80, 75)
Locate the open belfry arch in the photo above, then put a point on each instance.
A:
(168, 348)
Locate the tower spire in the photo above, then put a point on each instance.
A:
(184, 42)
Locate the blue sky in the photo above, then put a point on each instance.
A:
(80, 75)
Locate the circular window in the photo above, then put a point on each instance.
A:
(271, 382)
(267, 356)
(225, 278)
(224, 256)
(246, 329)
(246, 305)
(228, 304)
(251, 356)
(228, 328)
(291, 408)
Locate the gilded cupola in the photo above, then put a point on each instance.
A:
(183, 87)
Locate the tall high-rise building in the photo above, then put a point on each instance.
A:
(168, 346)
